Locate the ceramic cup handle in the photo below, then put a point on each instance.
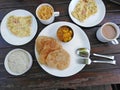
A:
(115, 42)
(56, 14)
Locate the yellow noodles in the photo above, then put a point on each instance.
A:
(84, 9)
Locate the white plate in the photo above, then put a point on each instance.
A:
(92, 20)
(12, 39)
(79, 40)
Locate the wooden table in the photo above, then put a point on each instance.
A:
(36, 77)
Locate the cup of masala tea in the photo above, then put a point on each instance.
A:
(109, 32)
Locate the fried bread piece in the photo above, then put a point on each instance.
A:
(45, 45)
(43, 42)
(59, 59)
(40, 42)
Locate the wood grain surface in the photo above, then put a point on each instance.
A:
(36, 78)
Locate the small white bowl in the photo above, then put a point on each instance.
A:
(7, 60)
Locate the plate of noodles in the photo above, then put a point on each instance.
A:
(87, 13)
(18, 27)
(80, 39)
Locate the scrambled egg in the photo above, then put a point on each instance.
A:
(84, 9)
(19, 26)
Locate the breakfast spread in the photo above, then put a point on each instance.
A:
(84, 9)
(19, 26)
(51, 53)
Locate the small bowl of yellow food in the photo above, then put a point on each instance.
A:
(65, 33)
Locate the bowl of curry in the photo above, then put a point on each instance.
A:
(65, 33)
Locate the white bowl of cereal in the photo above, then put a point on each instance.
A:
(18, 62)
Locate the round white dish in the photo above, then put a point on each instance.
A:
(92, 20)
(7, 66)
(12, 39)
(80, 39)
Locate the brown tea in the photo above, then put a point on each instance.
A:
(109, 31)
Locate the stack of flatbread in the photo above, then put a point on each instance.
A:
(51, 53)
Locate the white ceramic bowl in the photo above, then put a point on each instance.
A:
(7, 60)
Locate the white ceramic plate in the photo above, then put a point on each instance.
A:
(79, 40)
(12, 39)
(92, 20)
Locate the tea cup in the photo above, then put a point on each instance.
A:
(108, 32)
